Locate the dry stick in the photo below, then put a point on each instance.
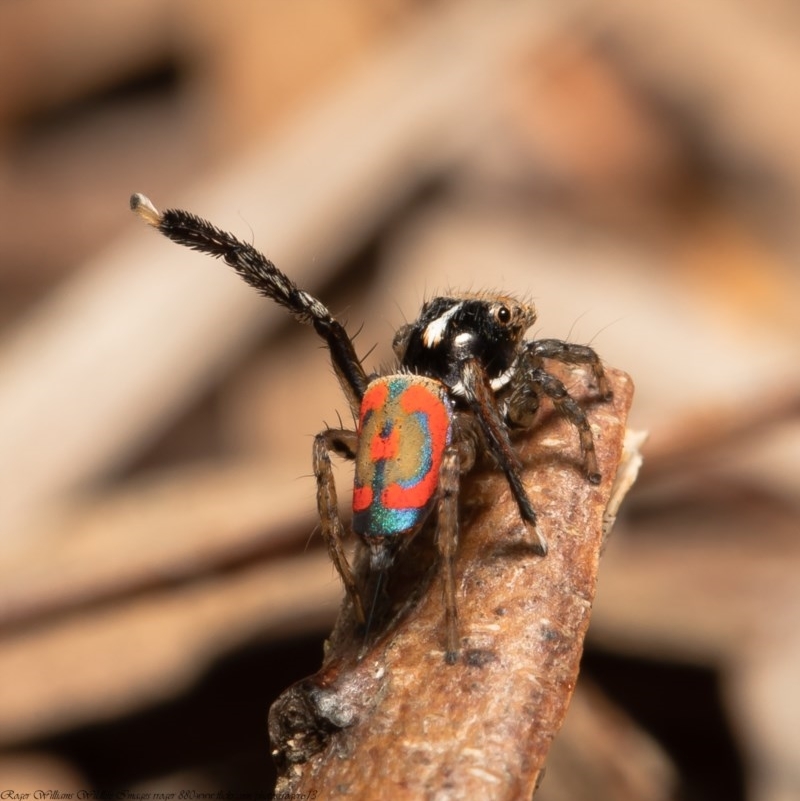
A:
(399, 722)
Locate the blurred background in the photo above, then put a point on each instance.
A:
(633, 168)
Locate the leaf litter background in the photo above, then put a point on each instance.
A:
(631, 167)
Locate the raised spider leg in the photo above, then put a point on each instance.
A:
(481, 401)
(257, 270)
(342, 442)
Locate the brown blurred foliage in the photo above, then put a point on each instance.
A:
(632, 167)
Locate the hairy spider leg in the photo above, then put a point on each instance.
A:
(481, 400)
(380, 576)
(342, 442)
(446, 543)
(532, 381)
(570, 353)
(257, 270)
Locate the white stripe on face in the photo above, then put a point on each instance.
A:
(434, 332)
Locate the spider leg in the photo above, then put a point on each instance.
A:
(524, 400)
(480, 399)
(446, 542)
(569, 353)
(342, 442)
(532, 381)
(257, 270)
(466, 438)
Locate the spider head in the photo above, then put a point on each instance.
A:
(452, 330)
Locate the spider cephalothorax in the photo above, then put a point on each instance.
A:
(465, 377)
(451, 330)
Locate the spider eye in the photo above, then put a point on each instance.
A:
(503, 315)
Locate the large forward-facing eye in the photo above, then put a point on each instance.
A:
(502, 314)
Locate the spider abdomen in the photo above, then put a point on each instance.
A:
(405, 425)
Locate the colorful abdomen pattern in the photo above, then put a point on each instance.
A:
(404, 426)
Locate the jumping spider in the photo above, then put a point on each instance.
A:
(465, 378)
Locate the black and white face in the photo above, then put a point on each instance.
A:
(452, 330)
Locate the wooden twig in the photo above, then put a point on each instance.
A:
(396, 721)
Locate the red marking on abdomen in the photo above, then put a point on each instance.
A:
(362, 498)
(385, 447)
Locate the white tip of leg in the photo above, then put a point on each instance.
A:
(145, 209)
